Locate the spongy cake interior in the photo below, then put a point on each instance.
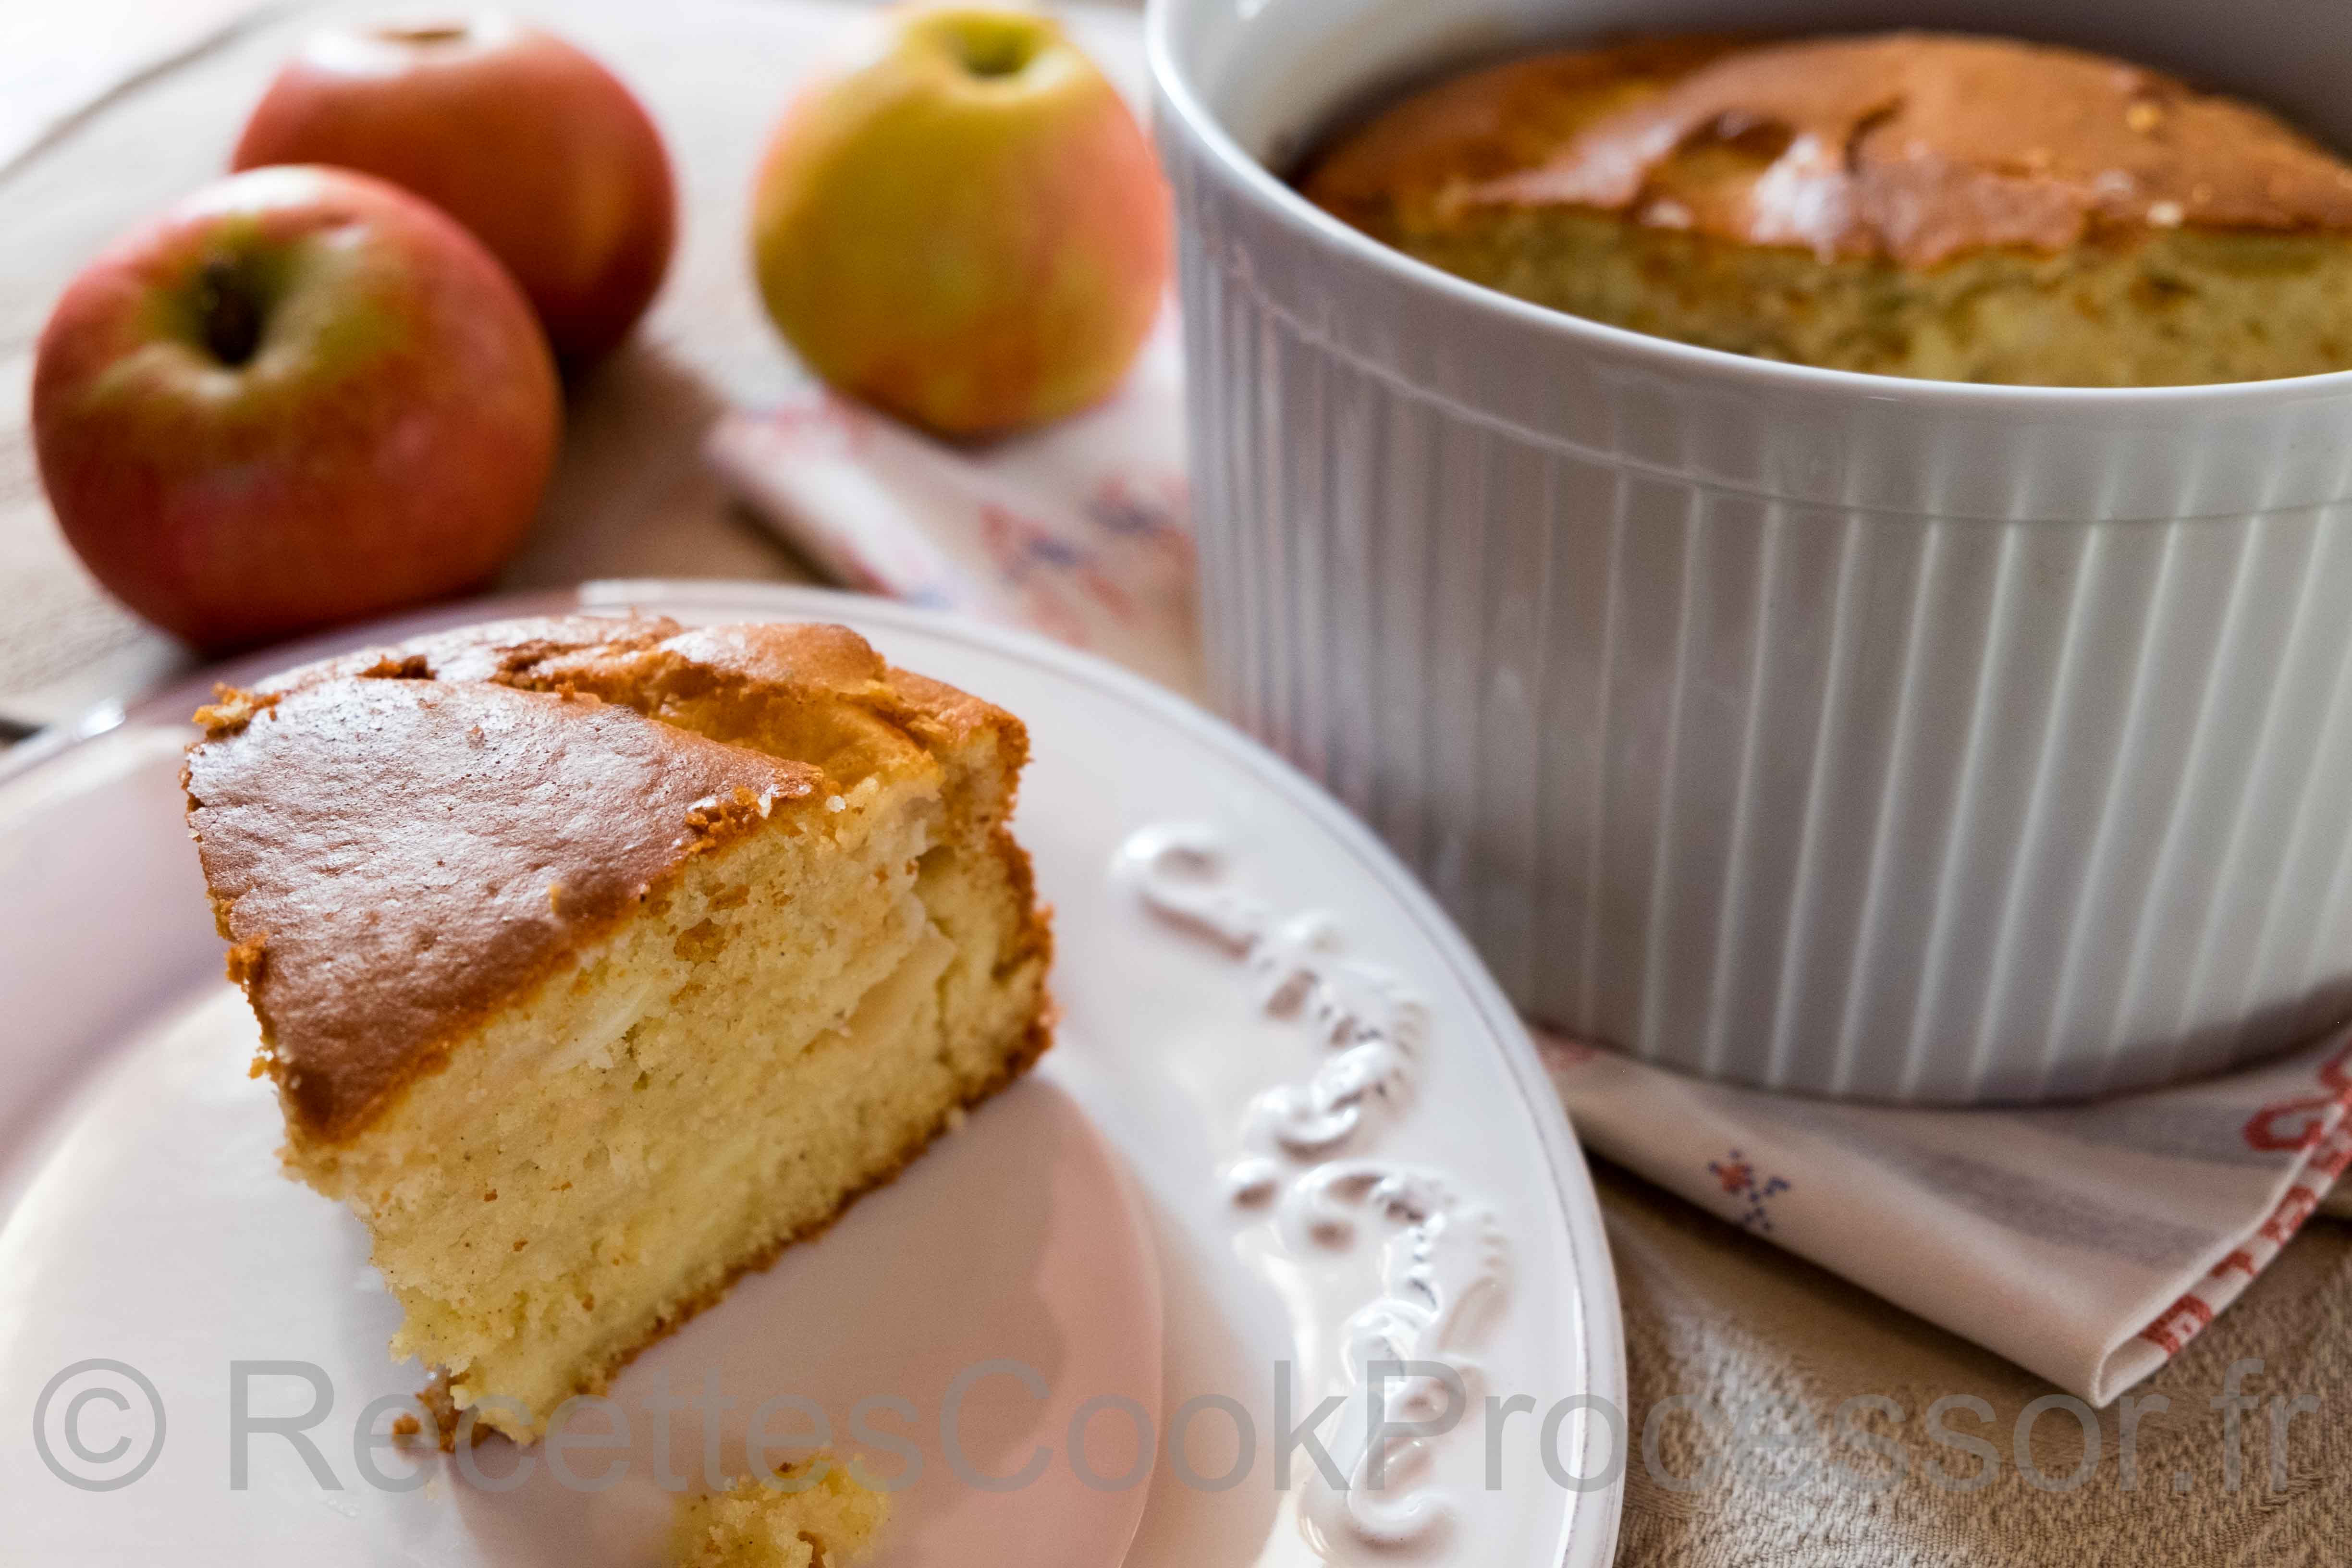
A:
(2162, 309)
(783, 1023)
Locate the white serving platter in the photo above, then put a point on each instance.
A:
(1290, 1127)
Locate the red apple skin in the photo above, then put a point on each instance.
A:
(385, 443)
(521, 137)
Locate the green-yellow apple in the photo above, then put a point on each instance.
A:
(299, 396)
(967, 228)
(524, 139)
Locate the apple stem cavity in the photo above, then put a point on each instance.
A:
(228, 315)
(425, 33)
(993, 46)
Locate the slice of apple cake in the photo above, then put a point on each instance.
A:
(596, 960)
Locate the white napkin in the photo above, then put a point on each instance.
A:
(2084, 1243)
(1080, 531)
(2087, 1244)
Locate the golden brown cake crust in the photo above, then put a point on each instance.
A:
(490, 650)
(393, 858)
(1911, 146)
(400, 841)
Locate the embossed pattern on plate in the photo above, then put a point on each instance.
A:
(1425, 1198)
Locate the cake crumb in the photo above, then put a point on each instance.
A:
(247, 957)
(406, 1427)
(231, 710)
(831, 1522)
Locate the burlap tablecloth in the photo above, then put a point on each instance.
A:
(1731, 1341)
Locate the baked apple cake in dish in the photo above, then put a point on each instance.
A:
(596, 960)
(1910, 203)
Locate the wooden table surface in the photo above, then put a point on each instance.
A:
(1716, 1320)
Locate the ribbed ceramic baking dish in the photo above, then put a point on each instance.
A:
(1866, 736)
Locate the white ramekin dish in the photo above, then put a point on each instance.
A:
(1898, 740)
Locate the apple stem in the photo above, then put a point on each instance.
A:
(230, 317)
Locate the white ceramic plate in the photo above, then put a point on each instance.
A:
(1290, 1129)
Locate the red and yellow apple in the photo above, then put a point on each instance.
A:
(300, 395)
(517, 134)
(967, 229)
